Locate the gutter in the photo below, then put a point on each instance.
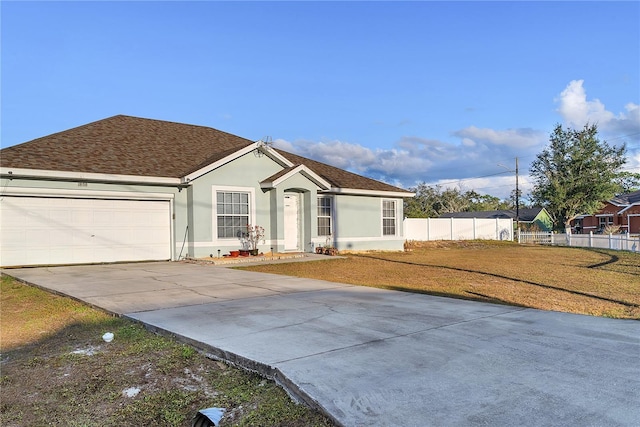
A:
(81, 177)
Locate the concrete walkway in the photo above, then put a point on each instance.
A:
(373, 357)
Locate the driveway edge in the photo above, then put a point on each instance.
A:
(264, 370)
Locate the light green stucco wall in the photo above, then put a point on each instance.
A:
(357, 220)
(358, 224)
(246, 172)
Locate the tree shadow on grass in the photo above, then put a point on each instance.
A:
(627, 263)
(500, 276)
(612, 259)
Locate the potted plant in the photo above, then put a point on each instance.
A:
(252, 237)
(330, 251)
(328, 248)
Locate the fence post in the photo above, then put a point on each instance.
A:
(591, 239)
(474, 229)
(610, 242)
(451, 230)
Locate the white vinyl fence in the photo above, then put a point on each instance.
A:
(620, 242)
(424, 229)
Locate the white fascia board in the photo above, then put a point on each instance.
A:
(246, 150)
(629, 207)
(277, 157)
(215, 165)
(306, 172)
(10, 173)
(79, 194)
(360, 192)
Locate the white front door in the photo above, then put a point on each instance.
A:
(291, 222)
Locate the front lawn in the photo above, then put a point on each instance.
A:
(575, 280)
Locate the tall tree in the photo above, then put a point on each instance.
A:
(628, 181)
(433, 201)
(575, 173)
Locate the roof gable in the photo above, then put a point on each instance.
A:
(286, 173)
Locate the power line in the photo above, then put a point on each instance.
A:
(622, 136)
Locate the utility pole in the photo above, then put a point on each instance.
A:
(517, 195)
(517, 200)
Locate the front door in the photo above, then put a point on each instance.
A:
(291, 222)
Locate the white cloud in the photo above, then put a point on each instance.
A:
(470, 161)
(633, 162)
(576, 111)
(626, 123)
(510, 137)
(413, 159)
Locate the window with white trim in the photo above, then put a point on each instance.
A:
(389, 218)
(232, 213)
(324, 216)
(604, 221)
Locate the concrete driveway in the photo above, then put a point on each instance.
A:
(373, 357)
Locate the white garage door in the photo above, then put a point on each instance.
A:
(39, 230)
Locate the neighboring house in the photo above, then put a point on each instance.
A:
(537, 218)
(128, 189)
(622, 211)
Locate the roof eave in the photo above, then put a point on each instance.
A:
(629, 207)
(304, 171)
(55, 175)
(255, 147)
(363, 192)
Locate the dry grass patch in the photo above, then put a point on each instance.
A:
(575, 280)
(56, 370)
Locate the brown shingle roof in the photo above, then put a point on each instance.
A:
(340, 178)
(277, 175)
(627, 199)
(125, 145)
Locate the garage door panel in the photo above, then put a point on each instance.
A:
(60, 216)
(66, 230)
(14, 239)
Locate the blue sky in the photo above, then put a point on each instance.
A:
(404, 92)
